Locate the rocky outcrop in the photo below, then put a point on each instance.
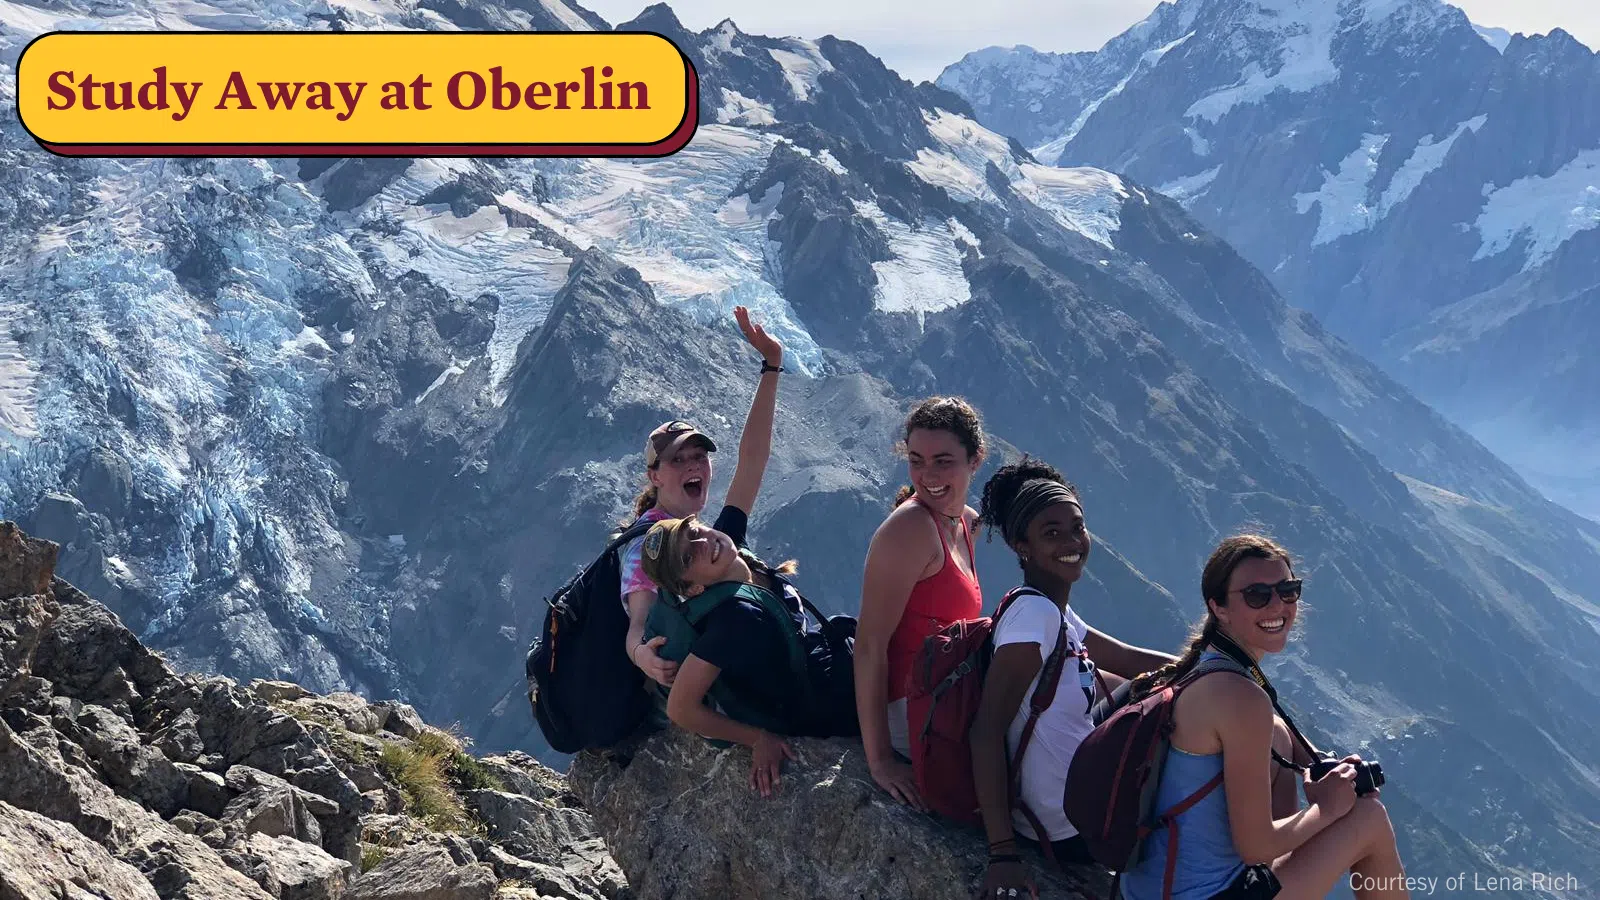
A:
(121, 778)
(118, 773)
(683, 821)
(42, 859)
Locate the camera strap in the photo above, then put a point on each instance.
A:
(1226, 646)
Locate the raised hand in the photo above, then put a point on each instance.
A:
(765, 344)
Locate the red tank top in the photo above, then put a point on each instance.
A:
(936, 601)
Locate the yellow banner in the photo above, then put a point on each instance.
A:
(356, 93)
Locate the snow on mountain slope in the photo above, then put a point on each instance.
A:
(924, 274)
(1050, 153)
(1303, 30)
(1542, 211)
(1342, 197)
(1086, 201)
(1428, 156)
(801, 66)
(1384, 161)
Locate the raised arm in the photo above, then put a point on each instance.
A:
(1122, 659)
(755, 443)
(895, 560)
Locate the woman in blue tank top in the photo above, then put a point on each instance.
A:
(1249, 839)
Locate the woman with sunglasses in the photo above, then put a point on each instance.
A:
(1249, 839)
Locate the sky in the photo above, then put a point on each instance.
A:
(918, 38)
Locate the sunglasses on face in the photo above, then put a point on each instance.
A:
(1258, 595)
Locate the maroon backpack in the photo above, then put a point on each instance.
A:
(946, 690)
(1111, 785)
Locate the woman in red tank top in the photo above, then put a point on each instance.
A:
(920, 576)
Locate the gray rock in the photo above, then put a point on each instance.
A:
(387, 801)
(277, 691)
(681, 819)
(31, 693)
(337, 803)
(267, 804)
(425, 873)
(89, 655)
(180, 740)
(345, 710)
(181, 867)
(390, 830)
(196, 823)
(35, 777)
(26, 563)
(523, 774)
(22, 622)
(529, 827)
(177, 865)
(235, 724)
(42, 859)
(289, 869)
(401, 719)
(140, 771)
(208, 792)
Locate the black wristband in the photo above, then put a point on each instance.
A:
(769, 367)
(1004, 858)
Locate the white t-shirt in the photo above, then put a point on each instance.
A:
(1034, 618)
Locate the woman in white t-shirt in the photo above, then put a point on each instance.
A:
(1039, 515)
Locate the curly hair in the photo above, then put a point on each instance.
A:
(1001, 489)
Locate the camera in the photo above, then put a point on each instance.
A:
(1369, 775)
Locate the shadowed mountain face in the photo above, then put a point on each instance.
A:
(349, 422)
(1426, 188)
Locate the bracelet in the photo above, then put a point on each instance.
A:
(1004, 858)
(769, 367)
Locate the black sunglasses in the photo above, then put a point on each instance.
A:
(1257, 596)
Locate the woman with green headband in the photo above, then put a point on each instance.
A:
(1041, 518)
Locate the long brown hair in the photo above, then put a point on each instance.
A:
(1213, 586)
(952, 414)
(646, 501)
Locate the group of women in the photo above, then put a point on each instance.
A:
(1252, 838)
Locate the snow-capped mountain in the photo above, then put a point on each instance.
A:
(351, 421)
(1428, 188)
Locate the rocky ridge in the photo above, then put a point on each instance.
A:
(121, 779)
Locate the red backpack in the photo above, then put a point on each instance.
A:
(1111, 784)
(946, 689)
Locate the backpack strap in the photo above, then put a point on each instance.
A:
(1043, 695)
(639, 527)
(782, 581)
(1227, 664)
(696, 608)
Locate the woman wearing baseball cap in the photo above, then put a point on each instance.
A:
(677, 458)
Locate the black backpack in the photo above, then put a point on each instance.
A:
(585, 692)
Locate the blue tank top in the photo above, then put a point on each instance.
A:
(1207, 861)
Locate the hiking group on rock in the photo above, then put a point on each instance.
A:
(1029, 723)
